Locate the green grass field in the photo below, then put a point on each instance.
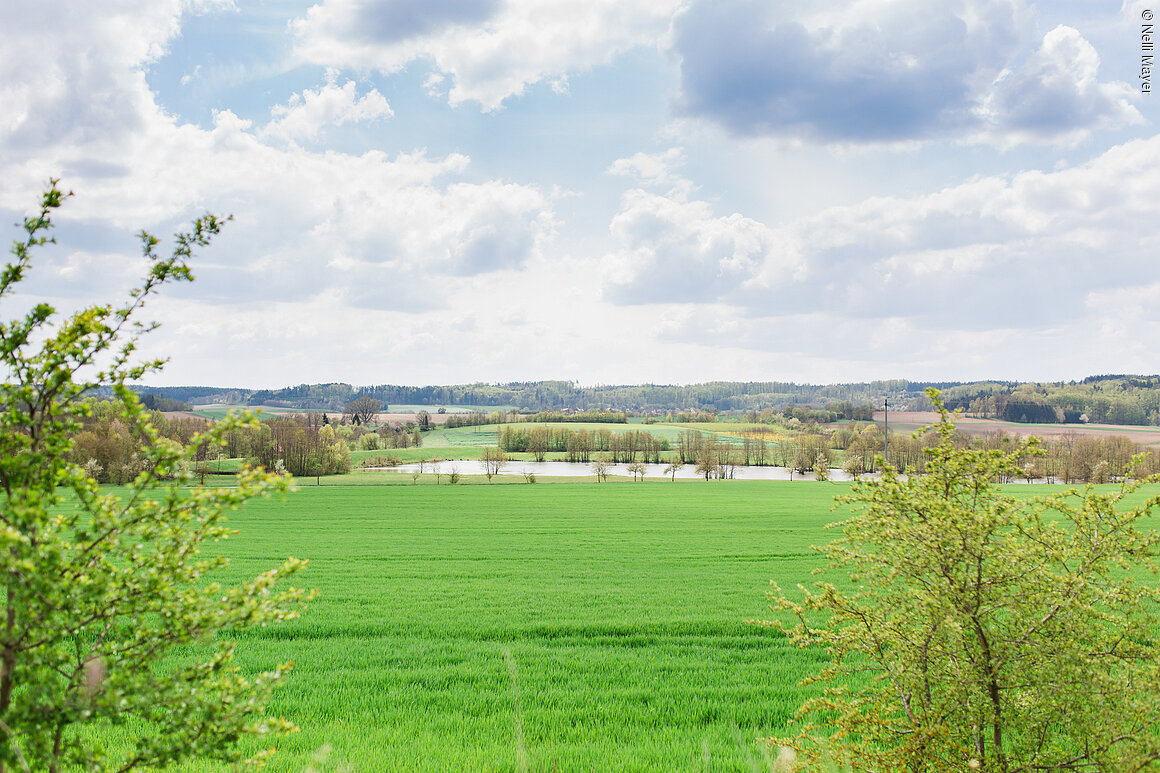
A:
(461, 437)
(568, 625)
(618, 611)
(220, 411)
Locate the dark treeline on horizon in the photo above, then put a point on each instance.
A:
(1110, 399)
(551, 395)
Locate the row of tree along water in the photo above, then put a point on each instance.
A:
(579, 445)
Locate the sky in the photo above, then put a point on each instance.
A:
(607, 191)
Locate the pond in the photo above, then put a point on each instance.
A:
(580, 470)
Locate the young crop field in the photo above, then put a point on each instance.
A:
(572, 625)
(510, 627)
(461, 437)
(219, 411)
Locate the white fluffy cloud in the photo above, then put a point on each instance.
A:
(671, 250)
(490, 50)
(651, 168)
(988, 254)
(367, 230)
(80, 78)
(310, 112)
(1056, 95)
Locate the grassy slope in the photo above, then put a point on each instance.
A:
(622, 607)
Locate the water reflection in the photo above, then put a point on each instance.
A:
(581, 470)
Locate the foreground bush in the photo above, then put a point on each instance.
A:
(100, 588)
(983, 632)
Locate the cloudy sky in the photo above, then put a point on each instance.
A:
(609, 191)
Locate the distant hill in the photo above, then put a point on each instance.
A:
(1105, 399)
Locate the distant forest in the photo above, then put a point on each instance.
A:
(1109, 399)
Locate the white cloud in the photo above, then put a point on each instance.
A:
(670, 250)
(837, 348)
(1128, 315)
(189, 78)
(492, 51)
(892, 71)
(370, 229)
(1056, 96)
(418, 267)
(51, 87)
(991, 253)
(309, 112)
(650, 168)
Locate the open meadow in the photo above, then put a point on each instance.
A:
(574, 625)
(560, 626)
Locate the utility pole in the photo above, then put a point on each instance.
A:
(886, 429)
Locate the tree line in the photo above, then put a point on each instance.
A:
(308, 445)
(860, 449)
(1111, 399)
(1068, 458)
(562, 395)
(478, 418)
(580, 445)
(656, 399)
(110, 450)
